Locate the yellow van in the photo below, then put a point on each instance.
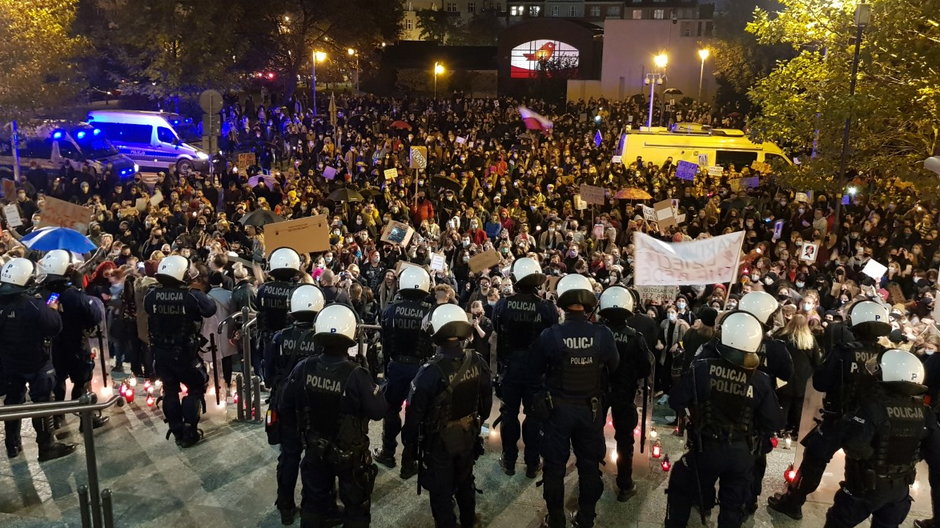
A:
(708, 147)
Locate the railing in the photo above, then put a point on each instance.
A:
(247, 386)
(98, 510)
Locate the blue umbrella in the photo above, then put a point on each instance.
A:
(49, 238)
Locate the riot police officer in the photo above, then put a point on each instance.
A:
(273, 301)
(175, 315)
(332, 399)
(27, 327)
(636, 364)
(843, 377)
(406, 347)
(291, 345)
(71, 355)
(450, 398)
(518, 320)
(883, 440)
(727, 398)
(576, 358)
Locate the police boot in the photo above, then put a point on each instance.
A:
(508, 468)
(12, 438)
(787, 504)
(189, 436)
(555, 521)
(288, 515)
(409, 468)
(58, 421)
(532, 470)
(624, 494)
(97, 422)
(49, 449)
(384, 457)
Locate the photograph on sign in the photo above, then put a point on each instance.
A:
(808, 252)
(304, 235)
(397, 233)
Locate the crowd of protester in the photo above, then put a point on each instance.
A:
(491, 185)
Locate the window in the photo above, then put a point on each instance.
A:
(410, 7)
(409, 24)
(535, 10)
(637, 14)
(595, 11)
(554, 11)
(122, 133)
(775, 160)
(68, 150)
(498, 7)
(685, 28)
(659, 14)
(35, 148)
(516, 10)
(451, 7)
(572, 11)
(165, 135)
(613, 11)
(471, 7)
(738, 158)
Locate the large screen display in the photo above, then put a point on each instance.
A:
(528, 58)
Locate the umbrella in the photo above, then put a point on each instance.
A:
(345, 194)
(632, 193)
(399, 125)
(49, 238)
(447, 183)
(673, 91)
(370, 192)
(265, 179)
(260, 217)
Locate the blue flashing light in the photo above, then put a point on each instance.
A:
(80, 134)
(188, 121)
(97, 131)
(176, 121)
(57, 134)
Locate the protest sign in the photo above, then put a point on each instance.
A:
(665, 214)
(437, 262)
(483, 261)
(461, 140)
(704, 261)
(397, 233)
(649, 214)
(9, 189)
(579, 204)
(304, 235)
(778, 230)
(703, 160)
(686, 170)
(59, 213)
(390, 174)
(617, 159)
(592, 194)
(329, 173)
(598, 232)
(156, 199)
(658, 294)
(808, 252)
(12, 214)
(874, 269)
(245, 160)
(419, 158)
(715, 171)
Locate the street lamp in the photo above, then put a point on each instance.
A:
(653, 79)
(355, 54)
(438, 70)
(318, 56)
(702, 54)
(862, 20)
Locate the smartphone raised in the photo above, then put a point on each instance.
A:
(52, 298)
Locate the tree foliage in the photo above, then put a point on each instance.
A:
(437, 25)
(805, 101)
(37, 55)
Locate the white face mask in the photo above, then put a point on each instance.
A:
(680, 305)
(800, 284)
(807, 307)
(672, 316)
(491, 303)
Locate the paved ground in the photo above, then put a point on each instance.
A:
(228, 481)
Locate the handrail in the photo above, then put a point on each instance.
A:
(88, 402)
(369, 327)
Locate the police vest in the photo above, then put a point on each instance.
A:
(578, 372)
(296, 344)
(628, 344)
(897, 442)
(856, 381)
(727, 412)
(520, 323)
(273, 304)
(325, 385)
(171, 324)
(403, 335)
(460, 399)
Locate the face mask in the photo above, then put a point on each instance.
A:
(768, 281)
(672, 316)
(732, 305)
(465, 242)
(800, 284)
(929, 351)
(807, 307)
(328, 259)
(681, 305)
(491, 303)
(801, 210)
(755, 277)
(466, 258)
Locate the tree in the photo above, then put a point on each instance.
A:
(805, 101)
(437, 25)
(37, 55)
(481, 30)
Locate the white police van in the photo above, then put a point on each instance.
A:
(150, 139)
(55, 144)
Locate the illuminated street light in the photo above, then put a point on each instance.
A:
(703, 54)
(653, 79)
(353, 53)
(661, 60)
(438, 70)
(318, 56)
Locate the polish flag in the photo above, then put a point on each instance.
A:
(535, 121)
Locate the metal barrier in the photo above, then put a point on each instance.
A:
(97, 510)
(362, 346)
(247, 386)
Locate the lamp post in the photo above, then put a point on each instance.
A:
(862, 19)
(702, 54)
(318, 56)
(355, 54)
(653, 79)
(438, 70)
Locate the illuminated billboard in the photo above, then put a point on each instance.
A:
(528, 58)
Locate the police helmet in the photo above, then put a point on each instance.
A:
(284, 263)
(335, 326)
(173, 268)
(17, 272)
(760, 304)
(897, 366)
(306, 299)
(870, 318)
(616, 300)
(414, 280)
(740, 338)
(576, 289)
(55, 263)
(527, 272)
(449, 321)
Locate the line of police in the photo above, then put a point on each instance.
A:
(565, 375)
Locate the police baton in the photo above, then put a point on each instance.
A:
(214, 351)
(102, 359)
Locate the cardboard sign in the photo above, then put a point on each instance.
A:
(801, 197)
(141, 204)
(9, 189)
(329, 173)
(390, 174)
(658, 294)
(705, 261)
(402, 264)
(778, 230)
(716, 171)
(484, 261)
(156, 199)
(461, 140)
(419, 158)
(245, 160)
(649, 214)
(686, 170)
(579, 204)
(592, 194)
(808, 252)
(397, 233)
(304, 235)
(59, 213)
(12, 214)
(617, 159)
(874, 269)
(665, 214)
(437, 262)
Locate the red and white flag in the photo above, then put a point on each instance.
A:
(534, 121)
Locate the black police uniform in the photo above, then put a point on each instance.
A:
(727, 403)
(175, 316)
(273, 301)
(636, 363)
(842, 376)
(406, 347)
(444, 415)
(576, 357)
(883, 440)
(518, 321)
(27, 328)
(331, 400)
(293, 344)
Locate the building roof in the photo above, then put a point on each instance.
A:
(418, 55)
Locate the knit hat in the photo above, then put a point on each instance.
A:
(708, 316)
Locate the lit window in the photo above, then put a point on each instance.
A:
(637, 14)
(554, 11)
(535, 10)
(659, 14)
(595, 11)
(516, 10)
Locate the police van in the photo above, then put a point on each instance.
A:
(699, 144)
(150, 139)
(55, 144)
